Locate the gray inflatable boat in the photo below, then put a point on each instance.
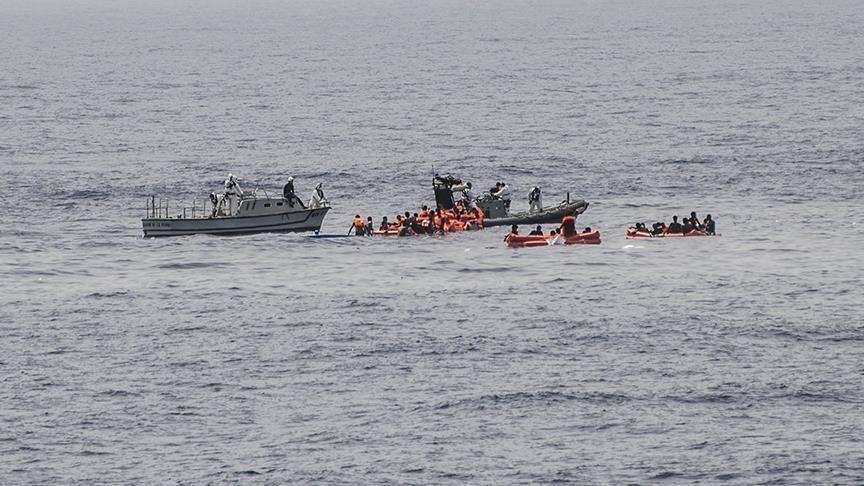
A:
(497, 212)
(497, 215)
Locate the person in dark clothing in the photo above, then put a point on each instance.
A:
(537, 232)
(709, 225)
(288, 192)
(370, 226)
(674, 226)
(405, 227)
(385, 225)
(416, 225)
(658, 228)
(514, 231)
(587, 229)
(686, 227)
(695, 221)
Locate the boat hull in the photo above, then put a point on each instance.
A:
(551, 215)
(293, 221)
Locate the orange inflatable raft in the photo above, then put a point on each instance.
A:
(524, 241)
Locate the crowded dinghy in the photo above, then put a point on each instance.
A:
(689, 226)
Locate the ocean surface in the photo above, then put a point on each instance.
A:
(280, 358)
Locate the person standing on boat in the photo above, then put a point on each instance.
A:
(318, 200)
(535, 202)
(467, 196)
(504, 195)
(233, 194)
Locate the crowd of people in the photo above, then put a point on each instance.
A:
(687, 225)
(424, 222)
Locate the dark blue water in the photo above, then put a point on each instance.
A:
(278, 358)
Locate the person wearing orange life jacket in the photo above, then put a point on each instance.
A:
(568, 225)
(456, 226)
(424, 213)
(359, 226)
(471, 220)
(437, 220)
(479, 213)
(514, 231)
(445, 224)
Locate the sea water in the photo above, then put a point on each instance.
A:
(280, 358)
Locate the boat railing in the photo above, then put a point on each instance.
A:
(161, 209)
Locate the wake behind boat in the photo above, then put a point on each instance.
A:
(235, 212)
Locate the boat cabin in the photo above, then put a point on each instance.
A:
(264, 206)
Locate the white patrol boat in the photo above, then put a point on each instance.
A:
(235, 213)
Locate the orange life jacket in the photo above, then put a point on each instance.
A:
(359, 224)
(456, 225)
(568, 226)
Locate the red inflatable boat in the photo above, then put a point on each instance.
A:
(524, 241)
